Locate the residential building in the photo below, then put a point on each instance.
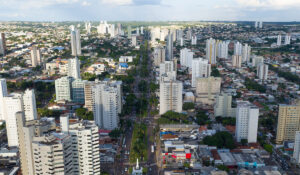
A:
(75, 41)
(186, 57)
(63, 88)
(129, 31)
(3, 93)
(296, 153)
(2, 44)
(169, 47)
(288, 122)
(223, 49)
(74, 68)
(36, 57)
(256, 60)
(278, 40)
(246, 53)
(287, 39)
(238, 48)
(133, 40)
(237, 61)
(159, 55)
(29, 103)
(262, 71)
(211, 51)
(207, 89)
(167, 66)
(223, 106)
(246, 121)
(194, 40)
(200, 69)
(170, 97)
(77, 90)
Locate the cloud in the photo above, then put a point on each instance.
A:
(269, 4)
(118, 2)
(85, 3)
(147, 2)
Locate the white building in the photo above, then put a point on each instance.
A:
(223, 106)
(194, 40)
(261, 24)
(107, 103)
(133, 40)
(200, 69)
(296, 154)
(246, 121)
(207, 89)
(278, 40)
(170, 96)
(238, 48)
(36, 57)
(237, 61)
(74, 68)
(256, 60)
(29, 103)
(63, 89)
(262, 71)
(2, 44)
(167, 66)
(126, 59)
(287, 39)
(169, 47)
(211, 51)
(12, 104)
(186, 57)
(246, 53)
(223, 49)
(75, 41)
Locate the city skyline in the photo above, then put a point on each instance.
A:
(149, 10)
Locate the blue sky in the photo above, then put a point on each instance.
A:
(149, 10)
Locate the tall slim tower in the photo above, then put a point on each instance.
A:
(238, 47)
(211, 51)
(3, 93)
(169, 48)
(74, 68)
(278, 40)
(75, 41)
(2, 44)
(200, 69)
(287, 39)
(36, 57)
(29, 103)
(129, 31)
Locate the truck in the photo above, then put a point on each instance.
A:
(152, 148)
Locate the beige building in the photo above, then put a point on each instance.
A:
(207, 89)
(237, 61)
(288, 122)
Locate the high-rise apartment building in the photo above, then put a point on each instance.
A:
(29, 104)
(75, 41)
(278, 40)
(207, 89)
(287, 39)
(36, 57)
(3, 93)
(77, 90)
(129, 31)
(296, 153)
(223, 49)
(170, 97)
(2, 44)
(200, 69)
(246, 121)
(159, 55)
(288, 122)
(63, 89)
(238, 48)
(257, 60)
(246, 53)
(211, 51)
(169, 47)
(194, 40)
(237, 61)
(186, 57)
(74, 68)
(167, 66)
(223, 106)
(133, 40)
(262, 71)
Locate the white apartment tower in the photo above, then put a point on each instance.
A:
(167, 66)
(223, 49)
(170, 97)
(159, 55)
(74, 68)
(246, 53)
(262, 71)
(2, 44)
(63, 89)
(256, 60)
(75, 41)
(237, 61)
(186, 57)
(169, 47)
(3, 93)
(29, 103)
(211, 51)
(287, 39)
(238, 48)
(246, 121)
(296, 154)
(223, 106)
(200, 69)
(278, 40)
(36, 57)
(194, 40)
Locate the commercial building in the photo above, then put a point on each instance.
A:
(75, 41)
(207, 89)
(170, 97)
(246, 122)
(288, 122)
(223, 106)
(200, 69)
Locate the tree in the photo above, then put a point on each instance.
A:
(188, 106)
(268, 148)
(221, 140)
(115, 133)
(215, 72)
(244, 142)
(223, 168)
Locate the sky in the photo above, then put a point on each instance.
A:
(149, 10)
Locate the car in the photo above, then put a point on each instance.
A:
(126, 169)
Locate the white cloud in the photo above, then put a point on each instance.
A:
(85, 3)
(270, 4)
(118, 2)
